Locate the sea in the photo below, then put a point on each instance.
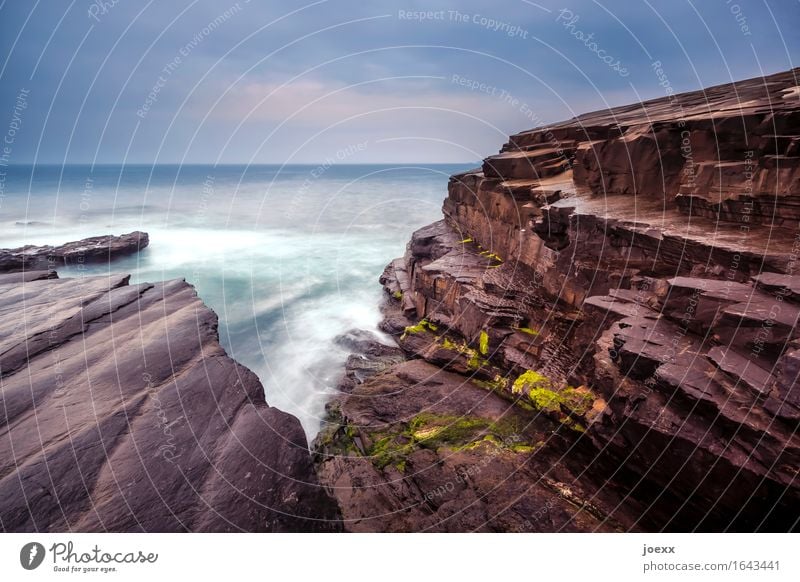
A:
(287, 256)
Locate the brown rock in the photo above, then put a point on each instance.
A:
(123, 413)
(98, 249)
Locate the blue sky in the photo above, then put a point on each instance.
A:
(196, 81)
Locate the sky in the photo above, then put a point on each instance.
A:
(407, 81)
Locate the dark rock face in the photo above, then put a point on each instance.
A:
(98, 249)
(626, 282)
(123, 413)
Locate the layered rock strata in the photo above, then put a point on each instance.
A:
(625, 282)
(122, 412)
(98, 249)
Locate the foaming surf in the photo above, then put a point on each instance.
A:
(286, 262)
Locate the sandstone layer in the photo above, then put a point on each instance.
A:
(624, 289)
(98, 249)
(122, 412)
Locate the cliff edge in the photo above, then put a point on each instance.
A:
(602, 333)
(121, 412)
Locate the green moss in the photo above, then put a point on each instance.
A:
(450, 345)
(474, 359)
(578, 401)
(423, 325)
(338, 440)
(483, 343)
(530, 379)
(498, 383)
(544, 399)
(390, 449)
(491, 255)
(467, 240)
(398, 295)
(433, 431)
(527, 330)
(562, 404)
(475, 362)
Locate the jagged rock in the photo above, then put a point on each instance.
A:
(787, 286)
(366, 343)
(630, 273)
(122, 412)
(98, 249)
(369, 357)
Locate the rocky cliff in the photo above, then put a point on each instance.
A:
(602, 333)
(121, 412)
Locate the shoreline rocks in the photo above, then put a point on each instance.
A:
(634, 308)
(97, 249)
(123, 413)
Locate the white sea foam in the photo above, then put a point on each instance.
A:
(285, 272)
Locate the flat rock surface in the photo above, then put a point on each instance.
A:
(122, 412)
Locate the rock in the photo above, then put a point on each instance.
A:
(629, 278)
(26, 276)
(785, 399)
(779, 284)
(419, 449)
(98, 249)
(122, 412)
(366, 343)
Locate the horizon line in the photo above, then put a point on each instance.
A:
(22, 164)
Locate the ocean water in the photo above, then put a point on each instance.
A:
(288, 257)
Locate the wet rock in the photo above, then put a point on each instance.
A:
(98, 249)
(366, 343)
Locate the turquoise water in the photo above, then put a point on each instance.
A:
(288, 257)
